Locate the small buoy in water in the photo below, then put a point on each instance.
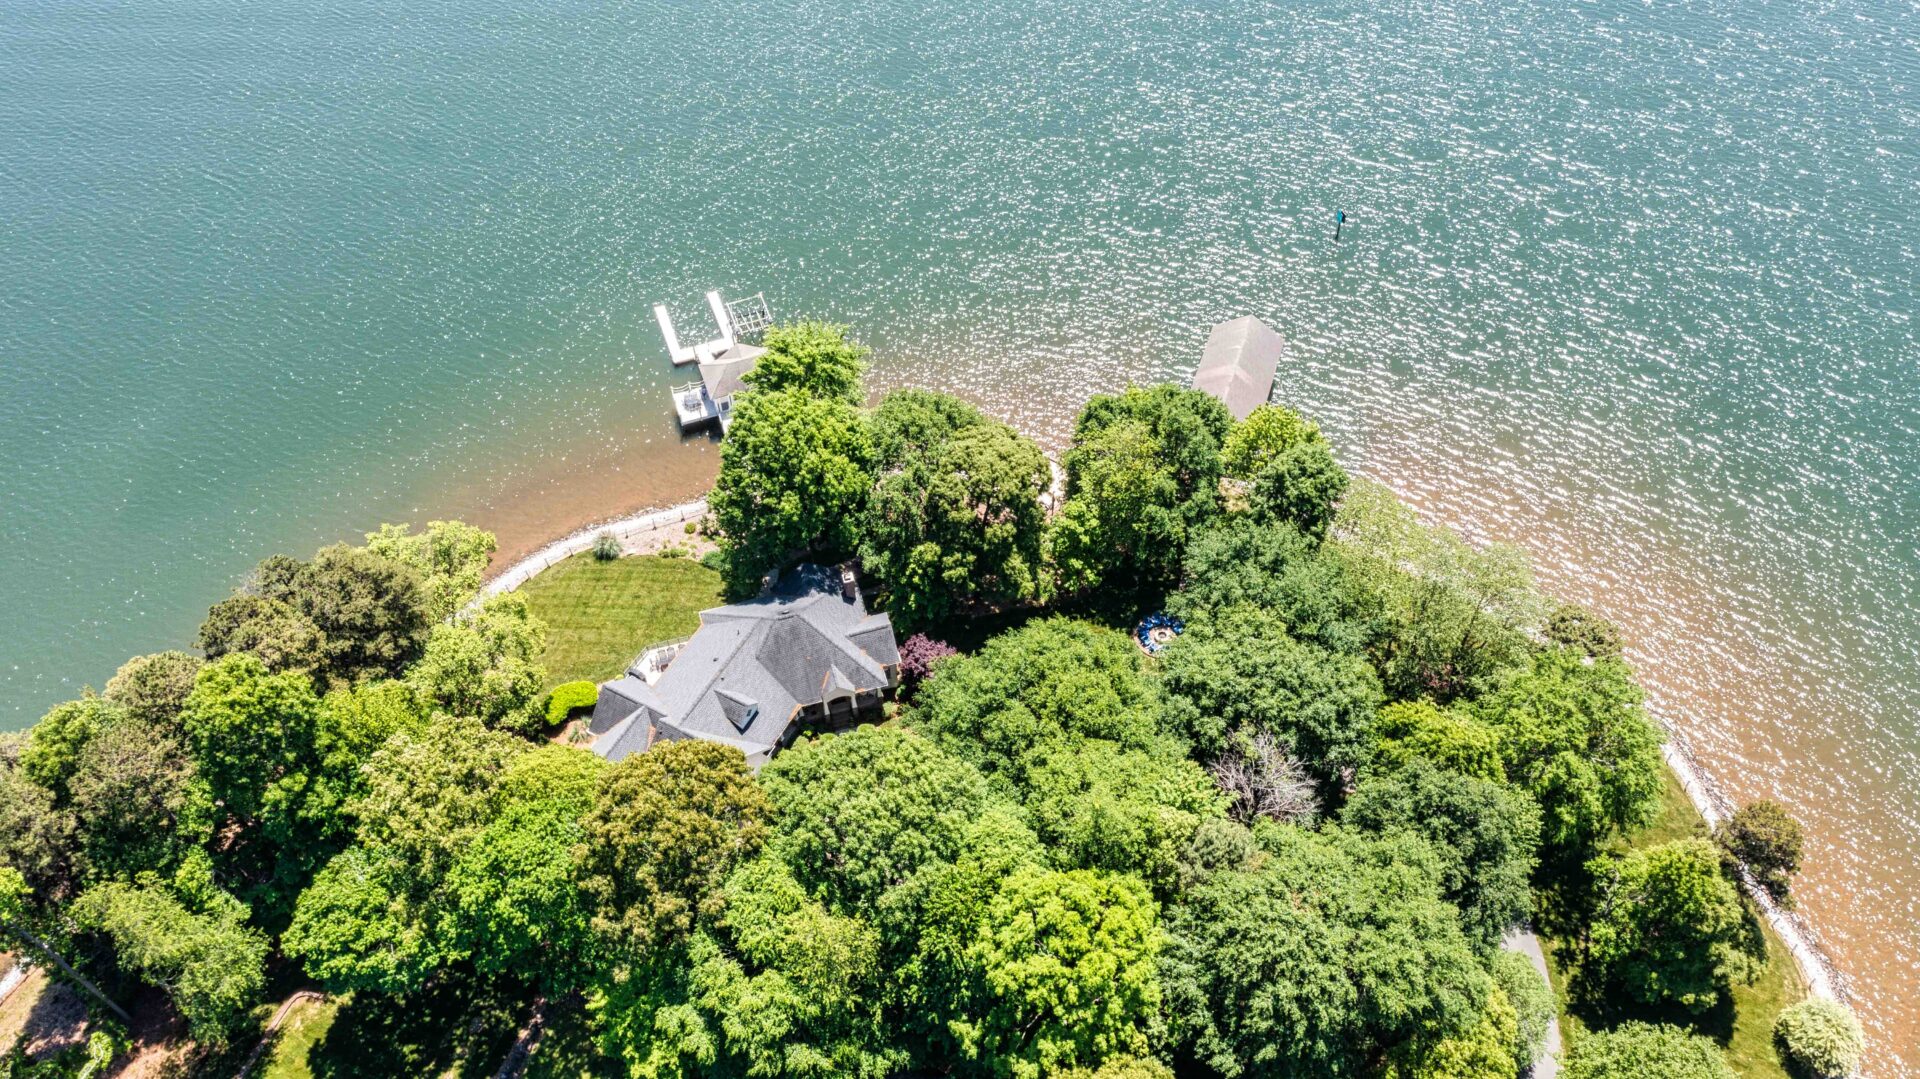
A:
(1339, 219)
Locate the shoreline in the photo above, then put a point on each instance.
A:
(1822, 977)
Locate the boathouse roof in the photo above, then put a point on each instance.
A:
(1239, 363)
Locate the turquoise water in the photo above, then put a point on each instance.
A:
(1628, 283)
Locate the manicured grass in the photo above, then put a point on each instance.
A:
(1744, 1025)
(601, 615)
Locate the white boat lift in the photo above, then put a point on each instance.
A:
(723, 360)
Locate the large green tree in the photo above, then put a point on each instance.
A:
(1143, 472)
(1670, 926)
(666, 828)
(518, 910)
(152, 688)
(1451, 614)
(795, 471)
(1243, 561)
(253, 738)
(1241, 674)
(812, 357)
(139, 801)
(775, 985)
(379, 915)
(200, 951)
(486, 664)
(1485, 833)
(1096, 805)
(351, 613)
(958, 523)
(859, 813)
(1336, 949)
(1051, 679)
(1574, 735)
(1067, 961)
(450, 556)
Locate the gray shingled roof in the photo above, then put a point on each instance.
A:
(751, 666)
(1239, 363)
(722, 377)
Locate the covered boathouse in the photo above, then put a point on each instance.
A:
(1239, 364)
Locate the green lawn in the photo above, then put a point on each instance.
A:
(305, 1027)
(1744, 1025)
(601, 615)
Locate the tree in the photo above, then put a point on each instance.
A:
(1097, 806)
(55, 744)
(1335, 950)
(1575, 627)
(1143, 472)
(1669, 926)
(518, 910)
(918, 654)
(1451, 615)
(272, 629)
(1446, 737)
(371, 611)
(1763, 837)
(377, 915)
(859, 813)
(349, 614)
(1820, 1037)
(1533, 1003)
(152, 688)
(37, 835)
(1266, 433)
(1263, 783)
(1300, 486)
(1574, 735)
(252, 734)
(810, 357)
(1313, 592)
(14, 921)
(1241, 674)
(1068, 964)
(960, 522)
(912, 423)
(666, 828)
(1483, 1051)
(1645, 1051)
(1484, 832)
(1051, 679)
(776, 985)
(450, 557)
(486, 664)
(138, 800)
(794, 475)
(206, 960)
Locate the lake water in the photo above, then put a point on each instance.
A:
(1630, 284)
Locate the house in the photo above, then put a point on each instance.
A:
(806, 655)
(1239, 363)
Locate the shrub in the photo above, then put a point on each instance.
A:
(1531, 999)
(568, 698)
(690, 528)
(673, 550)
(606, 547)
(1639, 1050)
(1819, 1037)
(918, 654)
(1766, 839)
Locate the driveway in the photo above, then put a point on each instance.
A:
(1524, 942)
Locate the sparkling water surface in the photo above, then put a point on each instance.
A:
(1630, 284)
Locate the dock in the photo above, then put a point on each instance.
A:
(723, 361)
